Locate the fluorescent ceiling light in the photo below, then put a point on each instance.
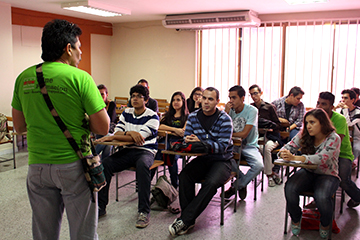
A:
(95, 8)
(293, 2)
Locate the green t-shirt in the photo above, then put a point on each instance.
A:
(341, 126)
(73, 93)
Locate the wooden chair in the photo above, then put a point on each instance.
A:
(121, 104)
(9, 139)
(160, 100)
(163, 107)
(221, 106)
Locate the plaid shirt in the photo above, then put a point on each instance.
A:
(296, 113)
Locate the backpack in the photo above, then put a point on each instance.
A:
(3, 127)
(163, 192)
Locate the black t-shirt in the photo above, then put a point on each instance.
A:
(287, 110)
(207, 121)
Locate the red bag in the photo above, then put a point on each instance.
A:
(311, 221)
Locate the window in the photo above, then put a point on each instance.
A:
(314, 55)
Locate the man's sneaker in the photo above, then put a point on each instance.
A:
(271, 182)
(176, 227)
(142, 220)
(242, 193)
(351, 203)
(277, 179)
(102, 212)
(185, 229)
(228, 193)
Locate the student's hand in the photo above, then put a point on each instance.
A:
(192, 138)
(198, 102)
(105, 139)
(179, 132)
(341, 105)
(283, 120)
(286, 155)
(228, 106)
(138, 139)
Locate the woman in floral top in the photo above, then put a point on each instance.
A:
(319, 145)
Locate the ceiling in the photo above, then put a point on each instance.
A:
(146, 10)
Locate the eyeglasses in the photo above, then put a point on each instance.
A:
(137, 96)
(254, 94)
(198, 94)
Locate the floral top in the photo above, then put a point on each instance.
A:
(326, 155)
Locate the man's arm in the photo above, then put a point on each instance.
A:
(19, 120)
(99, 122)
(244, 133)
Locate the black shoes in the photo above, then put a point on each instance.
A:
(242, 193)
(102, 212)
(228, 193)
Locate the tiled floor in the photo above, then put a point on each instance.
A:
(254, 220)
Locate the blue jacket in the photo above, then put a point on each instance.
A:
(219, 137)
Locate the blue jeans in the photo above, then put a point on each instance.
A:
(103, 149)
(346, 183)
(215, 173)
(53, 187)
(323, 186)
(255, 161)
(122, 160)
(293, 133)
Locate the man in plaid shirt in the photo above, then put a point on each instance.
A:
(290, 110)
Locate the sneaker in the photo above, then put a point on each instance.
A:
(142, 220)
(295, 229)
(311, 205)
(277, 179)
(176, 227)
(242, 193)
(185, 229)
(351, 203)
(228, 193)
(102, 212)
(271, 182)
(324, 233)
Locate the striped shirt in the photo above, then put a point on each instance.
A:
(146, 124)
(219, 137)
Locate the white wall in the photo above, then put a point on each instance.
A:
(164, 57)
(6, 60)
(100, 58)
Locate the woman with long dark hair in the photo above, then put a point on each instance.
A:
(319, 145)
(194, 101)
(174, 121)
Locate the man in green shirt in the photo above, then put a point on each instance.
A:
(56, 176)
(326, 101)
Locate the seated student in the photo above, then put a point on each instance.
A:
(290, 110)
(151, 103)
(212, 126)
(194, 101)
(357, 99)
(326, 101)
(245, 122)
(267, 111)
(138, 124)
(352, 115)
(111, 111)
(174, 121)
(320, 145)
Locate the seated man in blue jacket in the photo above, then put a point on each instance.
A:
(213, 127)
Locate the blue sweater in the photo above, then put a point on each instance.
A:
(219, 137)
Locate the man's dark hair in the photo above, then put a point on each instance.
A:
(351, 93)
(55, 36)
(255, 86)
(295, 91)
(356, 90)
(140, 89)
(102, 86)
(239, 89)
(213, 89)
(143, 81)
(327, 96)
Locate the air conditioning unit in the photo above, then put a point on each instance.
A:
(234, 19)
